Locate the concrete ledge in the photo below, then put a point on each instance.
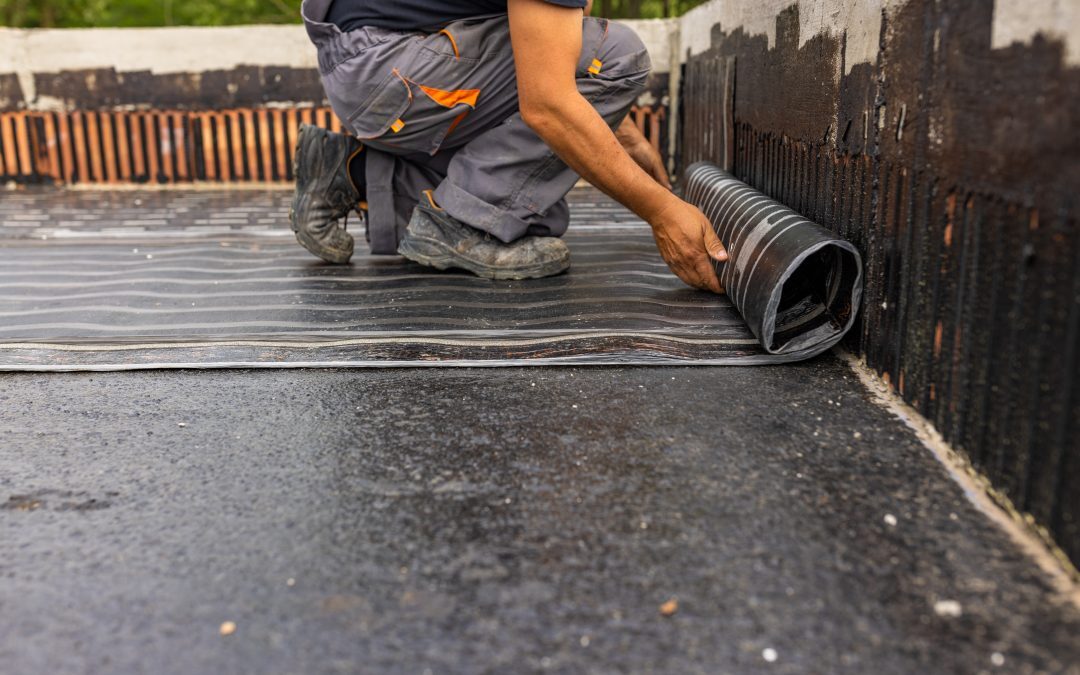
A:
(55, 70)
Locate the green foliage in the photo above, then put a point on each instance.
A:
(102, 13)
(126, 13)
(643, 9)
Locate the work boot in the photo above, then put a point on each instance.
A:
(435, 239)
(325, 192)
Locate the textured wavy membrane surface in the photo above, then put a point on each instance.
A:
(795, 283)
(204, 279)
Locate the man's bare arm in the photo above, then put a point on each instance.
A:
(546, 40)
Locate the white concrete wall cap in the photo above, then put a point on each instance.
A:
(860, 22)
(193, 50)
(657, 35)
(159, 50)
(1016, 21)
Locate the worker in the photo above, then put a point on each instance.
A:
(469, 123)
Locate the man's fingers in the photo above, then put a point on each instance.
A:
(698, 273)
(709, 280)
(695, 279)
(713, 245)
(682, 248)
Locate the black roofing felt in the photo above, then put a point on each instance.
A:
(214, 278)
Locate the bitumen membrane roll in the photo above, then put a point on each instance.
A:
(796, 284)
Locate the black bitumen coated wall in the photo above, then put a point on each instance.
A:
(954, 168)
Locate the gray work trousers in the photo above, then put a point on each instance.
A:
(439, 111)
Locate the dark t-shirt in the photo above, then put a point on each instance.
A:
(416, 14)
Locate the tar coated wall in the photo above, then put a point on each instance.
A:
(943, 138)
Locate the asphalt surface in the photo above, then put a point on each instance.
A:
(514, 520)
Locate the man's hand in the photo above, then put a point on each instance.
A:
(642, 151)
(689, 245)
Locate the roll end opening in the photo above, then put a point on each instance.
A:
(818, 299)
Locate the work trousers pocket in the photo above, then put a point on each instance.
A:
(422, 91)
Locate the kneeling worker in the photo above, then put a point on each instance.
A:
(471, 121)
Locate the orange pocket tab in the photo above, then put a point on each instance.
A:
(449, 99)
(397, 125)
(596, 66)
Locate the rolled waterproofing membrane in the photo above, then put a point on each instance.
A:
(796, 284)
(103, 295)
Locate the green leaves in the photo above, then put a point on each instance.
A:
(130, 13)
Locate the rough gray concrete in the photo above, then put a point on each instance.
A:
(496, 521)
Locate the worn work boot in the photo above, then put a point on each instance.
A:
(325, 192)
(435, 239)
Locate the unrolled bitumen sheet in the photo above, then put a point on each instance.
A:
(797, 285)
(213, 279)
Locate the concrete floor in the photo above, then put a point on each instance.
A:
(512, 520)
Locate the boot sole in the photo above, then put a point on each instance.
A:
(432, 253)
(330, 255)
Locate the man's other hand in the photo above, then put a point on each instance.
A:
(642, 151)
(689, 245)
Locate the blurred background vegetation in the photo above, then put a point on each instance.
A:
(102, 13)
